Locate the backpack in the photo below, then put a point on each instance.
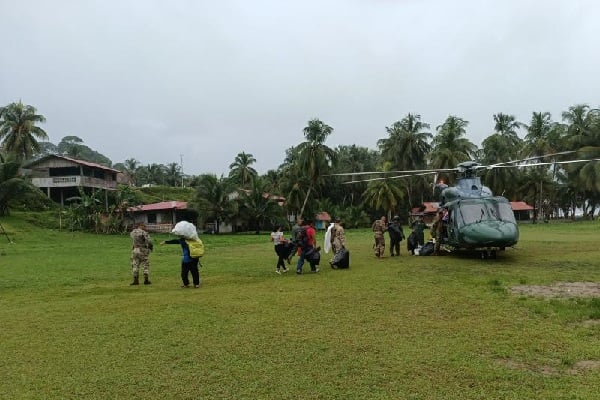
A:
(196, 248)
(301, 237)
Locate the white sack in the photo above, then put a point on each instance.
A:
(185, 229)
(327, 241)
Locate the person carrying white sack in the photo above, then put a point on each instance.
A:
(192, 249)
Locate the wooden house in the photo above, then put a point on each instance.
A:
(61, 177)
(161, 217)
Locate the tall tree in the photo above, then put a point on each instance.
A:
(18, 130)
(241, 170)
(257, 206)
(131, 167)
(503, 145)
(507, 126)
(173, 174)
(407, 148)
(543, 137)
(384, 194)
(351, 158)
(315, 158)
(583, 135)
(450, 147)
(213, 199)
(408, 143)
(11, 184)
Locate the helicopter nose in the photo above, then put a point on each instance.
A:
(491, 233)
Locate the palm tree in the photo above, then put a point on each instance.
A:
(408, 143)
(384, 194)
(538, 140)
(543, 137)
(18, 130)
(351, 158)
(503, 145)
(241, 171)
(407, 148)
(450, 147)
(12, 186)
(213, 199)
(131, 167)
(583, 134)
(257, 206)
(506, 126)
(314, 158)
(173, 174)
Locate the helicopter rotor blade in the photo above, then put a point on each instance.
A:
(547, 163)
(411, 172)
(500, 165)
(391, 177)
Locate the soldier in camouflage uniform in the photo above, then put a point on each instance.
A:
(379, 228)
(141, 247)
(338, 237)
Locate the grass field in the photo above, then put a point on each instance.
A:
(448, 327)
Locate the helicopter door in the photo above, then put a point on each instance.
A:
(451, 225)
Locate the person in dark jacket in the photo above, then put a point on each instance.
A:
(396, 236)
(188, 263)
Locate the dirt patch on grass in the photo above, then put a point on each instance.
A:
(549, 370)
(559, 289)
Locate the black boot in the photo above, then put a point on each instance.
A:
(146, 281)
(135, 281)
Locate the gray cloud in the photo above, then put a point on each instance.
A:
(152, 80)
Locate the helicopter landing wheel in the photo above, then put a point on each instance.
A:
(488, 254)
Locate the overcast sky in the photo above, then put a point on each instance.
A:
(205, 80)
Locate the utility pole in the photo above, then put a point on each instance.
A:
(181, 165)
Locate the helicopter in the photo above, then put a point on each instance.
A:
(474, 220)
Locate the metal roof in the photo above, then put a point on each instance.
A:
(163, 205)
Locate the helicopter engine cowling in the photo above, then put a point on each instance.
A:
(466, 188)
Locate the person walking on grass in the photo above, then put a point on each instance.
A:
(189, 264)
(295, 230)
(379, 228)
(280, 249)
(338, 238)
(396, 236)
(140, 250)
(306, 243)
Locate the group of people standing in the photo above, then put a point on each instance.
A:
(396, 233)
(303, 244)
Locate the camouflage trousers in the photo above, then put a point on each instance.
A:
(336, 245)
(379, 245)
(139, 258)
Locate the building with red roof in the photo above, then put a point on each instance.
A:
(162, 216)
(61, 177)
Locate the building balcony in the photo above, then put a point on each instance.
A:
(70, 181)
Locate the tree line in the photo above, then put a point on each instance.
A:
(306, 178)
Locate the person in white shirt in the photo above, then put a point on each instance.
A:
(280, 249)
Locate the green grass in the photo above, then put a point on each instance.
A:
(71, 327)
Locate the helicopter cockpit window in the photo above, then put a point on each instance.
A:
(505, 212)
(472, 213)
